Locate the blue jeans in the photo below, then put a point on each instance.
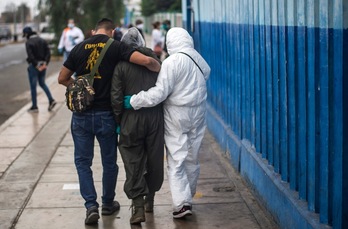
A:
(85, 127)
(34, 76)
(65, 55)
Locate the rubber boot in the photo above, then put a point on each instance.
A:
(149, 199)
(138, 213)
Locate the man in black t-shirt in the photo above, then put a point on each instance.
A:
(98, 121)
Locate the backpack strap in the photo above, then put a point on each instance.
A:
(99, 60)
(193, 61)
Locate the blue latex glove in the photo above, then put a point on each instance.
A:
(126, 102)
(72, 40)
(60, 50)
(118, 129)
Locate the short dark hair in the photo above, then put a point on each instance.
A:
(156, 24)
(105, 23)
(167, 22)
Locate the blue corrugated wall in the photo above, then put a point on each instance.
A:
(278, 90)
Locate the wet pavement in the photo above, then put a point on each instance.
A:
(39, 184)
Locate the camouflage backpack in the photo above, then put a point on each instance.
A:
(80, 94)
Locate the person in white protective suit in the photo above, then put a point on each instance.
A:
(71, 36)
(182, 84)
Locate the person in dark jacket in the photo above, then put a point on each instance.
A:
(139, 24)
(117, 33)
(38, 58)
(141, 141)
(166, 28)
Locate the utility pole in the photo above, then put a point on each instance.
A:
(15, 37)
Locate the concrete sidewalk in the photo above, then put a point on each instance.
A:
(39, 184)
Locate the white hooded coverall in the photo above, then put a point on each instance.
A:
(70, 37)
(183, 87)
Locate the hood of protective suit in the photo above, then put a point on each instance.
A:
(133, 38)
(178, 39)
(182, 79)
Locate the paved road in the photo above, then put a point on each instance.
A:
(14, 86)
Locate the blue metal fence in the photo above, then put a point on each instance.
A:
(279, 68)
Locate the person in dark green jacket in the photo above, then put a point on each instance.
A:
(141, 133)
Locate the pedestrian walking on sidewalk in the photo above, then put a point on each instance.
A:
(181, 84)
(139, 24)
(166, 28)
(71, 36)
(39, 56)
(98, 121)
(157, 39)
(141, 141)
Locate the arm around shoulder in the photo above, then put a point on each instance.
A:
(148, 62)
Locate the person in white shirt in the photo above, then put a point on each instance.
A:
(157, 39)
(70, 37)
